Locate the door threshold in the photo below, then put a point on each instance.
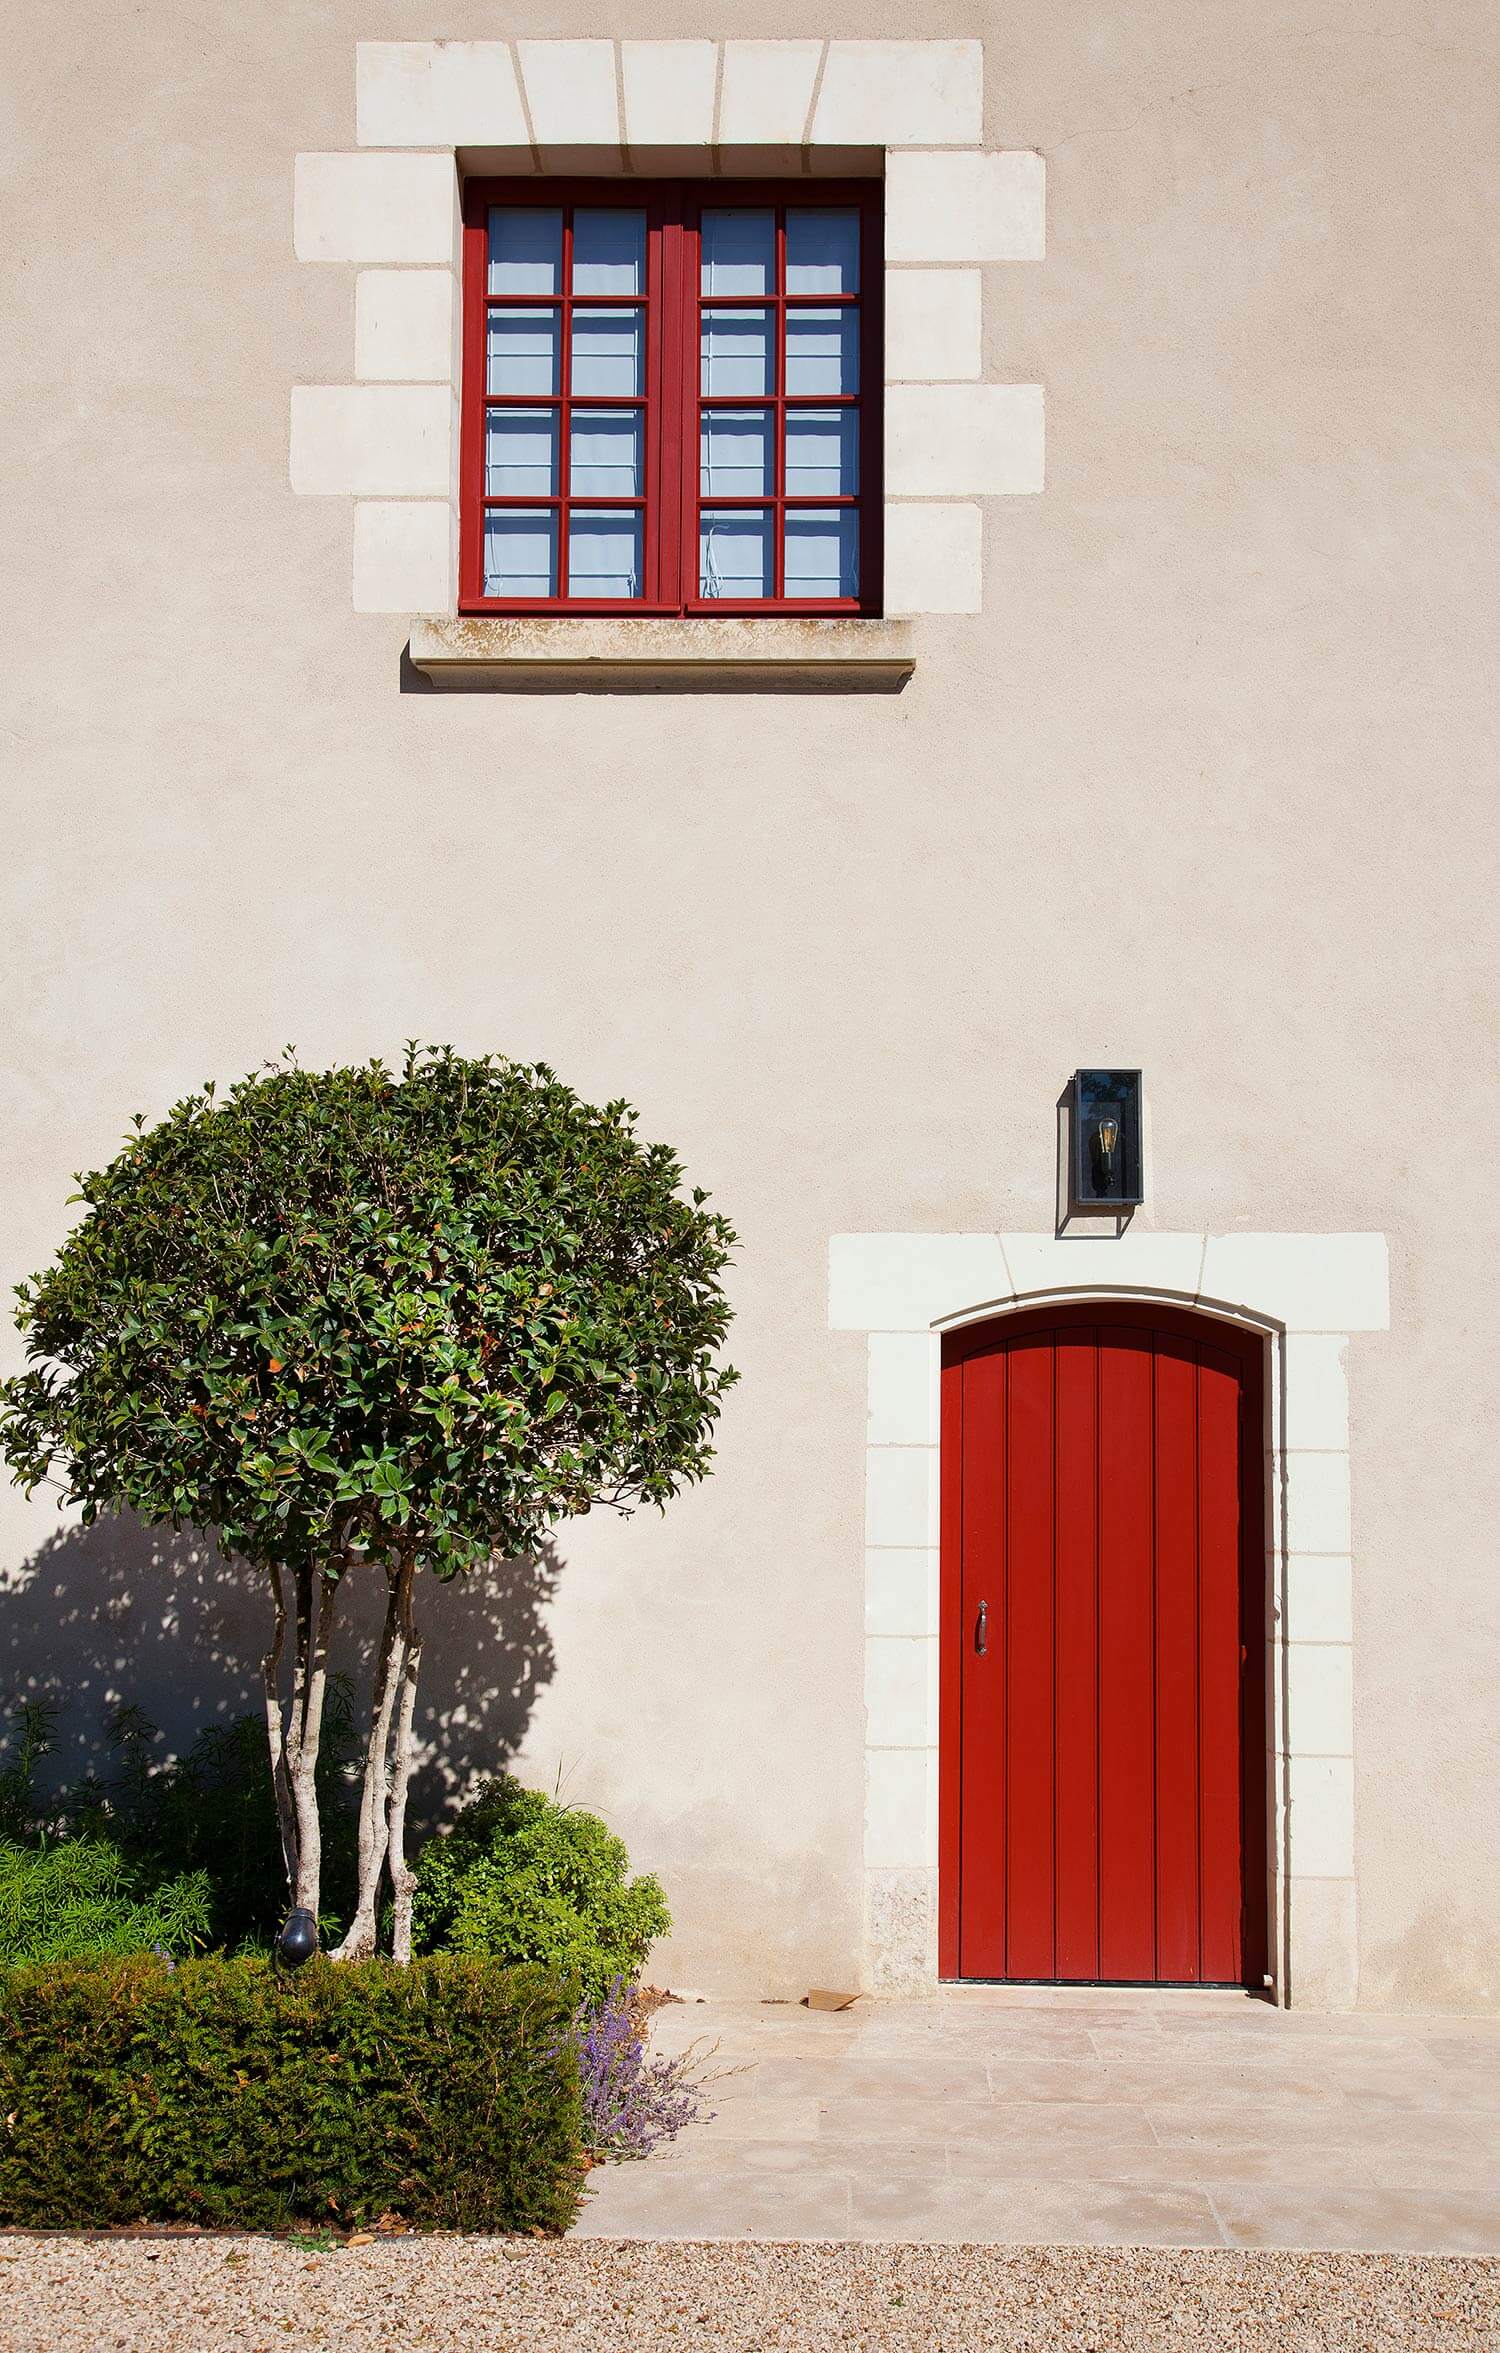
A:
(1083, 1985)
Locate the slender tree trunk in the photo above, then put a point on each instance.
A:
(382, 1820)
(270, 1674)
(301, 1646)
(403, 1878)
(374, 1821)
(316, 1594)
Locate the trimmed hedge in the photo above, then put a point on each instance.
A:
(223, 2093)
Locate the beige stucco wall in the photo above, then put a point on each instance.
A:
(1209, 786)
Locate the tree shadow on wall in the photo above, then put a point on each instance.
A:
(125, 1613)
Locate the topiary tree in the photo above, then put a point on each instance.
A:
(350, 1319)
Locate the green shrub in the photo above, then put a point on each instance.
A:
(222, 2093)
(80, 1899)
(213, 1810)
(524, 1879)
(210, 1813)
(28, 1738)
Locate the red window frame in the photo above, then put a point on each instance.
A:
(672, 399)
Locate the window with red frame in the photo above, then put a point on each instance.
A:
(671, 398)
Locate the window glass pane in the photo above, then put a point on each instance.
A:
(822, 350)
(822, 252)
(822, 452)
(736, 453)
(738, 351)
(609, 252)
(523, 351)
(607, 353)
(734, 555)
(822, 553)
(604, 554)
(520, 453)
(604, 453)
(520, 552)
(525, 250)
(739, 253)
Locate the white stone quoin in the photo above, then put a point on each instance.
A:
(571, 93)
(383, 440)
(933, 557)
(934, 325)
(976, 207)
(392, 208)
(399, 544)
(985, 438)
(768, 92)
(403, 326)
(438, 94)
(1307, 1293)
(669, 92)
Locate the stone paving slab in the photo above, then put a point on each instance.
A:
(1075, 2117)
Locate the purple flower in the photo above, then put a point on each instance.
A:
(631, 2103)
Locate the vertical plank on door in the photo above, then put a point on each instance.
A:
(1030, 1712)
(950, 1667)
(1127, 1866)
(1220, 1664)
(1077, 1654)
(1176, 1533)
(982, 1858)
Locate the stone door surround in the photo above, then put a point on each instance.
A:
(1306, 1293)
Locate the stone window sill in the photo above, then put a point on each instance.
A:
(491, 649)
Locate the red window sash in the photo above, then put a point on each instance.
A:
(673, 402)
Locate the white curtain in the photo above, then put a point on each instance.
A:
(604, 554)
(734, 555)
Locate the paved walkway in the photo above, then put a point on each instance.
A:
(1023, 2115)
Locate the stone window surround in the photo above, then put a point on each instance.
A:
(429, 111)
(1307, 1293)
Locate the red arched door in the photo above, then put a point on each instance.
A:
(1103, 1749)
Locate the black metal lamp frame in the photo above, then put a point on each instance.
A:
(1105, 1169)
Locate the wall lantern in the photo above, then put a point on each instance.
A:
(1105, 1164)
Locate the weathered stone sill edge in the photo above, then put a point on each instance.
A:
(471, 645)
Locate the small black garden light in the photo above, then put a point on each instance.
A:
(1105, 1170)
(298, 1940)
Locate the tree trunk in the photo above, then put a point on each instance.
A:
(315, 1603)
(403, 1878)
(374, 1820)
(382, 1816)
(270, 1675)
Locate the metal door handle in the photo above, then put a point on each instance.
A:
(982, 1629)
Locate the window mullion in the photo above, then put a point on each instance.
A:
(565, 403)
(778, 387)
(671, 419)
(687, 421)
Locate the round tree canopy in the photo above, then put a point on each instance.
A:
(353, 1311)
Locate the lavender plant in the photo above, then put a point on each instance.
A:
(632, 2103)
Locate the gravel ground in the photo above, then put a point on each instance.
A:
(209, 2295)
